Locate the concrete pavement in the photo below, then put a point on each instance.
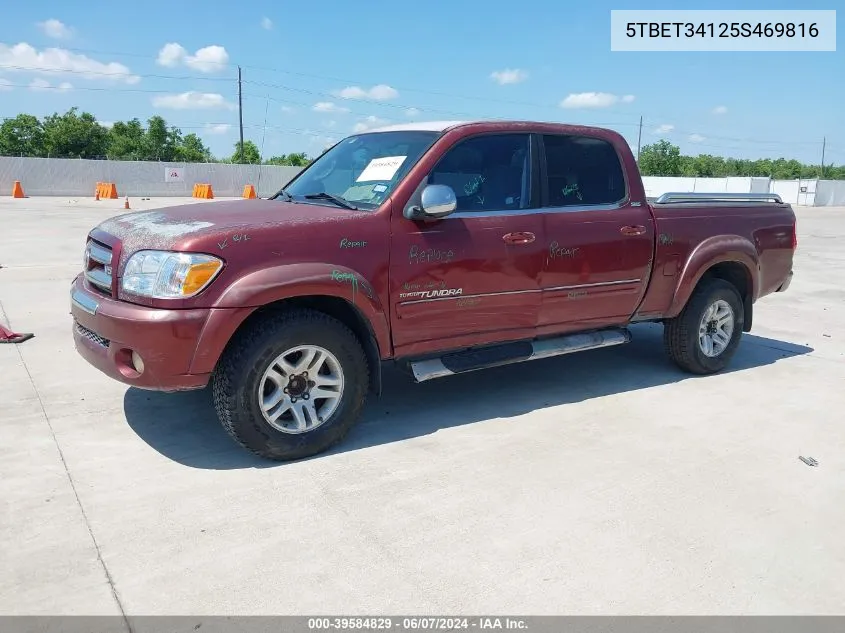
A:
(602, 483)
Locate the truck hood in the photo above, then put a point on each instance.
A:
(189, 224)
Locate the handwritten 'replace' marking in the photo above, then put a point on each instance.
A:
(428, 255)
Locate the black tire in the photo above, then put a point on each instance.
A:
(239, 372)
(680, 335)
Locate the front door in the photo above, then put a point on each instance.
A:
(599, 245)
(470, 278)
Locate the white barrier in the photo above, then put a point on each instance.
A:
(69, 177)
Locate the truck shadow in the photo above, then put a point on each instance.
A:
(184, 426)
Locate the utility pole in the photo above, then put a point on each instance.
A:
(824, 142)
(240, 117)
(639, 138)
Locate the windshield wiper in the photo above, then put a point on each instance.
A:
(341, 202)
(284, 193)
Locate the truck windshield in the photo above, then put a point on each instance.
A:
(360, 171)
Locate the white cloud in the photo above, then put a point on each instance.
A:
(209, 59)
(323, 142)
(217, 128)
(266, 23)
(41, 85)
(55, 29)
(331, 123)
(192, 101)
(54, 61)
(664, 129)
(412, 112)
(697, 138)
(171, 54)
(381, 92)
(287, 109)
(593, 100)
(5, 85)
(508, 76)
(108, 124)
(368, 123)
(328, 106)
(720, 110)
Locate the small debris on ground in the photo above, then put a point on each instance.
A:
(808, 460)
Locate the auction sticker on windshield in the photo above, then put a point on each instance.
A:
(381, 168)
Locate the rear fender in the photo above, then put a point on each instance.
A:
(710, 252)
(288, 281)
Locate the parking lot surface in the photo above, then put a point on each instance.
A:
(604, 482)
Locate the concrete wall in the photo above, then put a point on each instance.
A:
(830, 193)
(69, 177)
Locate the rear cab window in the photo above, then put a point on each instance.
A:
(582, 171)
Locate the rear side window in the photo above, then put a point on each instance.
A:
(582, 171)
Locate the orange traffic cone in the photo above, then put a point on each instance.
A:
(126, 203)
(17, 190)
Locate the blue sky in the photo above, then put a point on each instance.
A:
(319, 71)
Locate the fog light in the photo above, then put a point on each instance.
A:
(137, 362)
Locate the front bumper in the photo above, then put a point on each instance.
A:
(785, 285)
(106, 332)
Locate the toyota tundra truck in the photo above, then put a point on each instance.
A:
(443, 247)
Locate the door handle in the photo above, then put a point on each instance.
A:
(520, 237)
(632, 230)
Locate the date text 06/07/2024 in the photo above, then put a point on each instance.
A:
(416, 623)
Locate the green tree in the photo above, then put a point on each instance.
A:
(192, 150)
(297, 159)
(125, 140)
(22, 136)
(251, 154)
(660, 159)
(160, 142)
(72, 135)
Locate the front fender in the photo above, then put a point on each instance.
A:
(286, 281)
(712, 251)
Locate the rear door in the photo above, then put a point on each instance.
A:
(599, 245)
(471, 278)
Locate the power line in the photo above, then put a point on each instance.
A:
(334, 96)
(62, 71)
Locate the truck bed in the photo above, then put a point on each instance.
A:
(689, 225)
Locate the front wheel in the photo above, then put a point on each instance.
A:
(703, 338)
(292, 385)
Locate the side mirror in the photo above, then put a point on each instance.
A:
(437, 201)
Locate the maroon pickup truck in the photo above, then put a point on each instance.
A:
(445, 247)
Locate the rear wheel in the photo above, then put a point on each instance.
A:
(703, 338)
(291, 385)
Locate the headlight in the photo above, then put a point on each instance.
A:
(165, 275)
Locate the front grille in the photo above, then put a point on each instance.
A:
(91, 335)
(98, 266)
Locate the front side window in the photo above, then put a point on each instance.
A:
(362, 170)
(487, 173)
(581, 170)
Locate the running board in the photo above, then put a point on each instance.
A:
(517, 352)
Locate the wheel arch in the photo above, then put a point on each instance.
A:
(730, 258)
(337, 291)
(336, 307)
